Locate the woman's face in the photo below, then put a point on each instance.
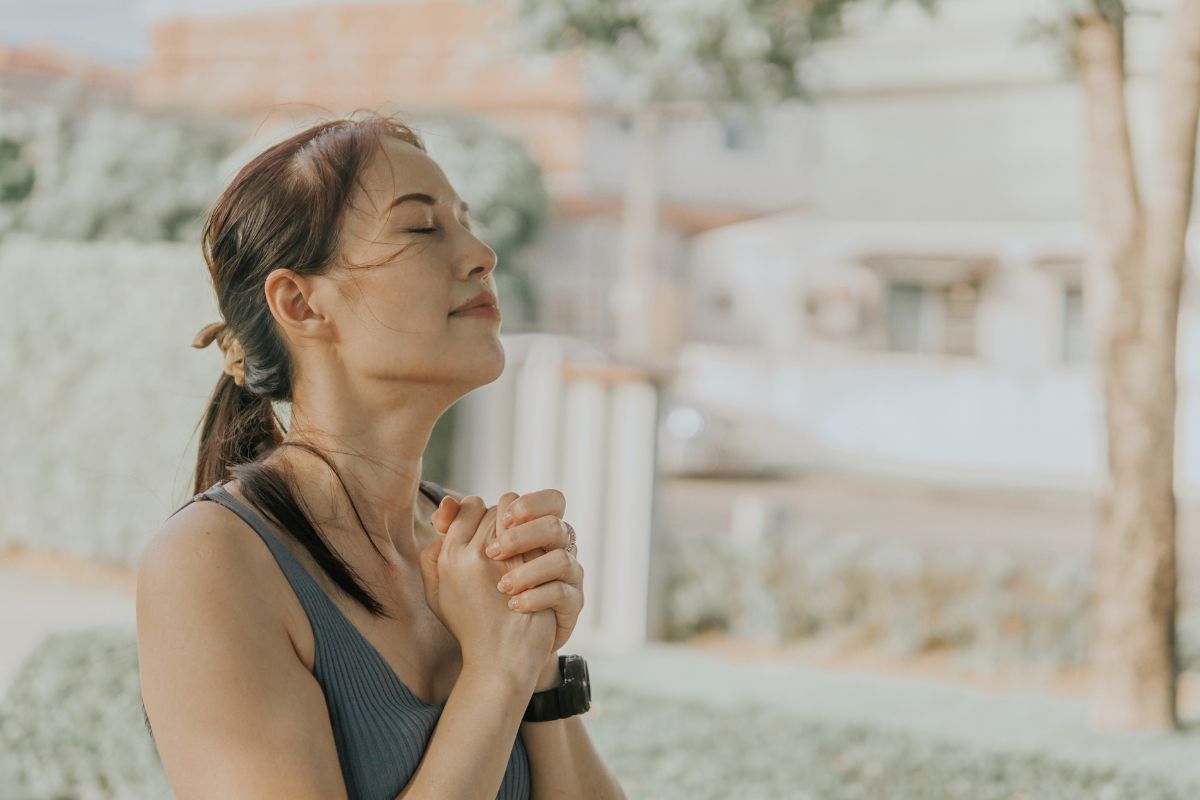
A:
(405, 265)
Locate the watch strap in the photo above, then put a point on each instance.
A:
(573, 696)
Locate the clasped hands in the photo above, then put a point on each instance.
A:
(531, 536)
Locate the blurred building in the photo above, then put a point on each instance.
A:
(924, 315)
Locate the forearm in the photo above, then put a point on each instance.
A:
(471, 745)
(563, 762)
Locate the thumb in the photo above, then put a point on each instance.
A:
(427, 561)
(446, 512)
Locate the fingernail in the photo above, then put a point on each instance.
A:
(512, 603)
(504, 585)
(507, 518)
(493, 549)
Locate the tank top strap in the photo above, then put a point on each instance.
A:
(434, 491)
(312, 597)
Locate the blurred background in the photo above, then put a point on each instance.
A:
(860, 336)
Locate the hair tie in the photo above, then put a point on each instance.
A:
(231, 348)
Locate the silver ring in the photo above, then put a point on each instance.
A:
(570, 548)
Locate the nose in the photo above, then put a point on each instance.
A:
(479, 259)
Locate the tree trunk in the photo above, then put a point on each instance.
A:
(1138, 254)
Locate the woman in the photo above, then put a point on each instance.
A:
(359, 646)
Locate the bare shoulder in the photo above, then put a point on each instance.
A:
(206, 547)
(234, 710)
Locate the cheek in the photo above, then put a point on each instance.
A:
(406, 298)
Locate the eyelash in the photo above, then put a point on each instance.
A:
(430, 230)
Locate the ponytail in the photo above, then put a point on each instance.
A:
(238, 427)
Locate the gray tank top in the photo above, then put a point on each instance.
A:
(380, 727)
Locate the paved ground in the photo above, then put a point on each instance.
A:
(33, 606)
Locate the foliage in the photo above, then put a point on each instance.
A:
(123, 173)
(842, 590)
(71, 723)
(16, 180)
(668, 749)
(712, 51)
(16, 173)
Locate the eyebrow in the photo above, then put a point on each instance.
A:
(420, 197)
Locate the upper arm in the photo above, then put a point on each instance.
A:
(234, 710)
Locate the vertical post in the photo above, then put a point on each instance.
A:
(585, 436)
(628, 533)
(633, 294)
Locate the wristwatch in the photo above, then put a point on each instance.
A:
(573, 696)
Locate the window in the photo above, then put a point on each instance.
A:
(1076, 347)
(1073, 339)
(930, 302)
(905, 302)
(923, 318)
(741, 132)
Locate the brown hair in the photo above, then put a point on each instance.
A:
(282, 209)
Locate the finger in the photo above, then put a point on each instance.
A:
(547, 532)
(502, 506)
(554, 565)
(562, 597)
(485, 528)
(536, 504)
(427, 562)
(462, 530)
(445, 513)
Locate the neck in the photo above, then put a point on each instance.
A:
(378, 452)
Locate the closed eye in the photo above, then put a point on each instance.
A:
(422, 230)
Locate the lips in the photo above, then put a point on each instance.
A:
(484, 298)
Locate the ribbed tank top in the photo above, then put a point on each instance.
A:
(380, 727)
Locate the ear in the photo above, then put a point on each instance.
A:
(294, 301)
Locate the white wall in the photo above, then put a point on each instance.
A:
(1012, 415)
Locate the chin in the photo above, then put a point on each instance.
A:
(484, 365)
(497, 361)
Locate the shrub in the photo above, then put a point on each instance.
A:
(71, 723)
